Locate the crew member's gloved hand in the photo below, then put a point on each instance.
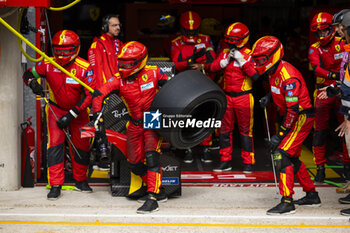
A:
(196, 54)
(277, 138)
(333, 91)
(334, 75)
(36, 87)
(264, 101)
(66, 119)
(224, 62)
(274, 142)
(238, 56)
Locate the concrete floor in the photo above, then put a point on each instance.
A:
(199, 209)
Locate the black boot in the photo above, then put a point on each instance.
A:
(347, 172)
(223, 166)
(54, 193)
(206, 156)
(248, 168)
(161, 196)
(311, 199)
(150, 205)
(188, 157)
(344, 200)
(320, 176)
(83, 186)
(345, 212)
(285, 207)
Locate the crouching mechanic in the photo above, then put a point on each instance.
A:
(67, 105)
(138, 85)
(290, 94)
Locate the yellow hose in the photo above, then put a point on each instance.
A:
(20, 43)
(64, 7)
(44, 55)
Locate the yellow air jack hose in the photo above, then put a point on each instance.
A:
(44, 55)
(64, 7)
(20, 43)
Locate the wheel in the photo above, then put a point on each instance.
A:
(189, 93)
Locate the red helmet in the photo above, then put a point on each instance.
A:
(190, 22)
(266, 52)
(132, 58)
(66, 46)
(237, 34)
(321, 26)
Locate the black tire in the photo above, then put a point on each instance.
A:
(189, 93)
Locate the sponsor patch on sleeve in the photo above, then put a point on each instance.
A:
(89, 73)
(291, 98)
(311, 51)
(275, 90)
(110, 80)
(289, 86)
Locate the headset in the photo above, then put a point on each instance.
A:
(105, 22)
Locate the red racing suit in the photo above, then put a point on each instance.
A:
(143, 145)
(237, 85)
(103, 57)
(325, 59)
(290, 94)
(181, 52)
(65, 94)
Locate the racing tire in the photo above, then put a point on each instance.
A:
(190, 94)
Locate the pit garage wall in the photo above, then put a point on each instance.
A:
(11, 107)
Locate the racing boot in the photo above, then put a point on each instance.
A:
(223, 166)
(247, 168)
(150, 205)
(54, 193)
(347, 172)
(344, 200)
(189, 156)
(345, 212)
(161, 196)
(83, 186)
(206, 156)
(320, 175)
(285, 207)
(311, 199)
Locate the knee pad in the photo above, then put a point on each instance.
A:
(319, 138)
(225, 140)
(247, 143)
(153, 161)
(281, 160)
(296, 164)
(139, 169)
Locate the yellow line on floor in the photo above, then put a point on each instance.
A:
(98, 223)
(308, 158)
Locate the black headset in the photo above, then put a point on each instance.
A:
(105, 22)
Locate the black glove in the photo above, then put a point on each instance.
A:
(277, 138)
(332, 91)
(36, 87)
(334, 75)
(264, 101)
(66, 119)
(196, 54)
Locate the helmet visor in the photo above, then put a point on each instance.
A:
(232, 39)
(323, 32)
(127, 64)
(260, 60)
(65, 51)
(189, 33)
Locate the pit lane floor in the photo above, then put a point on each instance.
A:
(216, 208)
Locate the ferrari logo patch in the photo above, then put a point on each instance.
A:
(277, 81)
(73, 72)
(145, 77)
(94, 13)
(337, 47)
(199, 40)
